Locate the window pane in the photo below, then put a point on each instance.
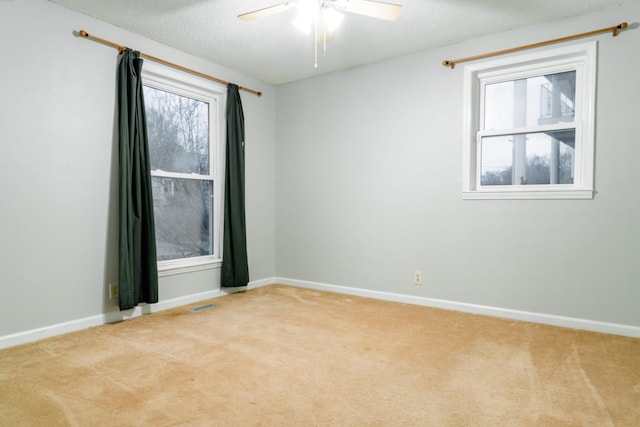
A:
(533, 101)
(178, 129)
(183, 216)
(528, 159)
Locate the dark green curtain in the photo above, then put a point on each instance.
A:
(138, 275)
(235, 268)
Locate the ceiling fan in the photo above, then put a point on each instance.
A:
(326, 15)
(371, 8)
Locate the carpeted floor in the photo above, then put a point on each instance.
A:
(284, 356)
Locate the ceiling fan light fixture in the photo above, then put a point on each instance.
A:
(304, 25)
(308, 11)
(331, 18)
(341, 4)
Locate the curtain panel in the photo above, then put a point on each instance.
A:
(235, 267)
(138, 269)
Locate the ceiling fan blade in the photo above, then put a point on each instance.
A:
(261, 13)
(374, 9)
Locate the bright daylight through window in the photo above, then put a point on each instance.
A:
(529, 126)
(181, 124)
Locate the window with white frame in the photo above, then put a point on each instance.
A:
(184, 127)
(529, 126)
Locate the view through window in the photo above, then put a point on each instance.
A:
(181, 167)
(529, 157)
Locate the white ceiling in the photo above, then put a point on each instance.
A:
(272, 50)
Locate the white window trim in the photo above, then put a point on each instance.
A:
(581, 57)
(165, 78)
(188, 265)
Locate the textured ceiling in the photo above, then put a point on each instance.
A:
(272, 50)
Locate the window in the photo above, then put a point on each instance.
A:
(184, 127)
(528, 126)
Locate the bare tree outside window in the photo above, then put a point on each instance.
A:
(179, 148)
(548, 159)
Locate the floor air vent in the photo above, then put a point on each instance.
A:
(201, 308)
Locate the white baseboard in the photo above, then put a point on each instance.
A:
(117, 316)
(263, 282)
(547, 319)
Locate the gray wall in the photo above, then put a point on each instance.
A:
(58, 244)
(368, 183)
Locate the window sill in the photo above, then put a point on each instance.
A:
(528, 194)
(170, 268)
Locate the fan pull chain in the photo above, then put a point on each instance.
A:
(315, 44)
(324, 40)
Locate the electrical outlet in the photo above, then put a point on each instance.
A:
(417, 277)
(114, 290)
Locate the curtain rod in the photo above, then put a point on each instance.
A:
(120, 48)
(615, 30)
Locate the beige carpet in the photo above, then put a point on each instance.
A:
(283, 356)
